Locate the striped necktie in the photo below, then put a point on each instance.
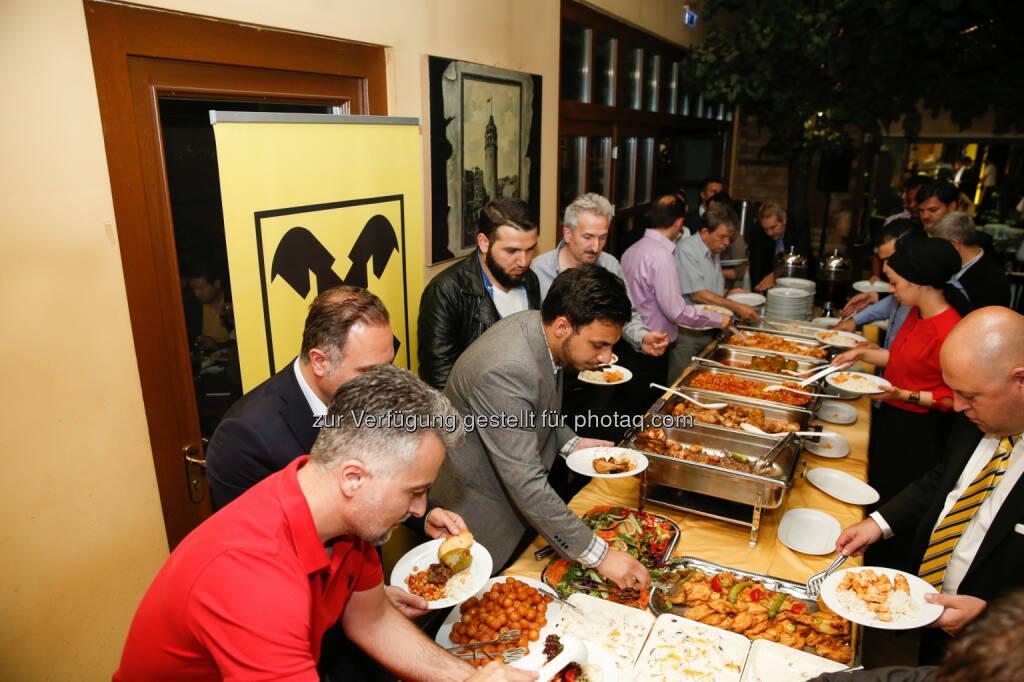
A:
(954, 523)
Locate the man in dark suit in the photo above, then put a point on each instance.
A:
(347, 332)
(982, 280)
(769, 238)
(964, 519)
(709, 187)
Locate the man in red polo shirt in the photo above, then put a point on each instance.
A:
(249, 593)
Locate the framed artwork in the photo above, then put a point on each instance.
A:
(484, 143)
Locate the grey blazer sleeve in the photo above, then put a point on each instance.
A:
(515, 456)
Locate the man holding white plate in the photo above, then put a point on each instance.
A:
(251, 591)
(965, 518)
(509, 382)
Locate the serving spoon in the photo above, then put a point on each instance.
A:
(706, 406)
(780, 387)
(750, 428)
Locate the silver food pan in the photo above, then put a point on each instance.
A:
(756, 377)
(776, 411)
(784, 326)
(765, 491)
(808, 342)
(740, 357)
(794, 589)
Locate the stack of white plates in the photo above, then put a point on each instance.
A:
(795, 283)
(789, 304)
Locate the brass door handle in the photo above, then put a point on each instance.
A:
(195, 471)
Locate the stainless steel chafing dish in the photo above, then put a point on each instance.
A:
(731, 355)
(799, 339)
(690, 486)
(756, 377)
(776, 325)
(778, 411)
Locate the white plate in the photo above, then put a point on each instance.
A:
(533, 660)
(715, 308)
(842, 486)
(796, 283)
(626, 376)
(836, 413)
(582, 461)
(615, 358)
(788, 293)
(840, 339)
(753, 300)
(833, 447)
(733, 262)
(827, 323)
(772, 662)
(461, 585)
(926, 612)
(809, 531)
(858, 382)
(865, 287)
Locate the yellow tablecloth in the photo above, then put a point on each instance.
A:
(726, 543)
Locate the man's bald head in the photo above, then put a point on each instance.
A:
(983, 362)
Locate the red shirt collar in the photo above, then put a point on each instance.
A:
(308, 547)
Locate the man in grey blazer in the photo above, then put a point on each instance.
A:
(508, 387)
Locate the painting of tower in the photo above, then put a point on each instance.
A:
(485, 143)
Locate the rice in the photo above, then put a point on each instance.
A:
(898, 605)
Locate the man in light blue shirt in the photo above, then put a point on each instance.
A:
(701, 280)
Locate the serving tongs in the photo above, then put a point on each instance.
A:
(590, 585)
(706, 406)
(507, 637)
(737, 332)
(507, 656)
(815, 582)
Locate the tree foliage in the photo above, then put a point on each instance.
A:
(809, 71)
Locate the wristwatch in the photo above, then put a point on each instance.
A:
(915, 398)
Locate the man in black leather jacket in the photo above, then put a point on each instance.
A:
(493, 282)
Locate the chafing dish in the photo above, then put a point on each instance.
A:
(681, 484)
(802, 340)
(740, 357)
(779, 411)
(790, 587)
(757, 377)
(775, 325)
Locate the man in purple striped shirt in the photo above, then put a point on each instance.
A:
(650, 270)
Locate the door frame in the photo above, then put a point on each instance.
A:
(127, 43)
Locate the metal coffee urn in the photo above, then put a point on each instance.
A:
(791, 264)
(834, 275)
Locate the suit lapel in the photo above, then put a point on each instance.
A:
(295, 410)
(1002, 525)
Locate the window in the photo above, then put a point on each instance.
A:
(630, 125)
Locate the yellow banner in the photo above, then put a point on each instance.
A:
(308, 206)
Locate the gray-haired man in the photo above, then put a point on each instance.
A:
(585, 227)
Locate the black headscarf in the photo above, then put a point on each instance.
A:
(928, 261)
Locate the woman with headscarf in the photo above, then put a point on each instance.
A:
(909, 429)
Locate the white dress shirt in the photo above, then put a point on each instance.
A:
(316, 405)
(970, 541)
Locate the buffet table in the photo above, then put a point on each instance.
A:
(726, 543)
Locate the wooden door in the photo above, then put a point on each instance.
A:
(140, 55)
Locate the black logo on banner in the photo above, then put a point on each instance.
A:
(300, 256)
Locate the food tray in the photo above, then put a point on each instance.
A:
(795, 589)
(669, 548)
(741, 354)
(778, 411)
(784, 326)
(765, 490)
(804, 340)
(685, 650)
(763, 379)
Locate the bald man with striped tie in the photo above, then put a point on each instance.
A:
(965, 518)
